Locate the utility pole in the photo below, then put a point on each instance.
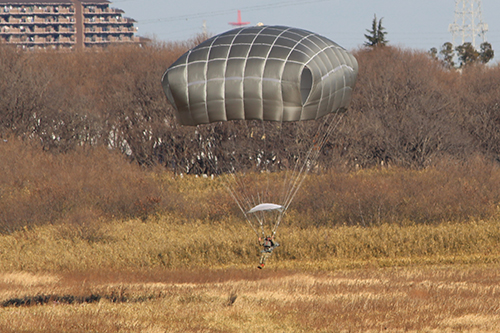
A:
(468, 24)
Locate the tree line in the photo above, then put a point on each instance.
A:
(466, 54)
(408, 109)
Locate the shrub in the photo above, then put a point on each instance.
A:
(76, 187)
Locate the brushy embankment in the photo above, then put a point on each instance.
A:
(78, 187)
(93, 185)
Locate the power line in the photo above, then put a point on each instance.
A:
(229, 11)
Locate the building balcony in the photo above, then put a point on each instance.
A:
(10, 11)
(67, 30)
(98, 31)
(103, 11)
(109, 19)
(39, 42)
(15, 31)
(52, 11)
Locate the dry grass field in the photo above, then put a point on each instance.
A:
(409, 299)
(163, 275)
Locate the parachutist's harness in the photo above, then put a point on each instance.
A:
(269, 245)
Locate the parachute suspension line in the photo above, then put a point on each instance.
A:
(331, 127)
(238, 180)
(301, 168)
(238, 189)
(210, 158)
(259, 219)
(293, 182)
(289, 181)
(315, 151)
(278, 221)
(263, 151)
(295, 177)
(238, 200)
(288, 174)
(309, 163)
(273, 157)
(311, 160)
(242, 210)
(244, 197)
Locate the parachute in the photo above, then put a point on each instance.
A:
(263, 207)
(266, 77)
(268, 73)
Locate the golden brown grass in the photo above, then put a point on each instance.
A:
(167, 242)
(437, 299)
(166, 275)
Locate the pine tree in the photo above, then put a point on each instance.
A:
(376, 36)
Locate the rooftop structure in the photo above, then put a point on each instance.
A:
(63, 24)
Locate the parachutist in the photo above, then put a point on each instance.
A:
(258, 77)
(269, 245)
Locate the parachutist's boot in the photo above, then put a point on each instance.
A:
(260, 266)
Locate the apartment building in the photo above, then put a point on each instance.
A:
(68, 24)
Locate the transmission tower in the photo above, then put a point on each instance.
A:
(468, 24)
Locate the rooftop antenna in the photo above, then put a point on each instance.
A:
(468, 24)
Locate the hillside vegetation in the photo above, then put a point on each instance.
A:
(407, 109)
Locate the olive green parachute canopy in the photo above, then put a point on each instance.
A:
(269, 73)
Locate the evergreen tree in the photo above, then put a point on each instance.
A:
(486, 53)
(433, 53)
(376, 36)
(467, 54)
(448, 53)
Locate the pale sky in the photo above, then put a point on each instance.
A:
(416, 24)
